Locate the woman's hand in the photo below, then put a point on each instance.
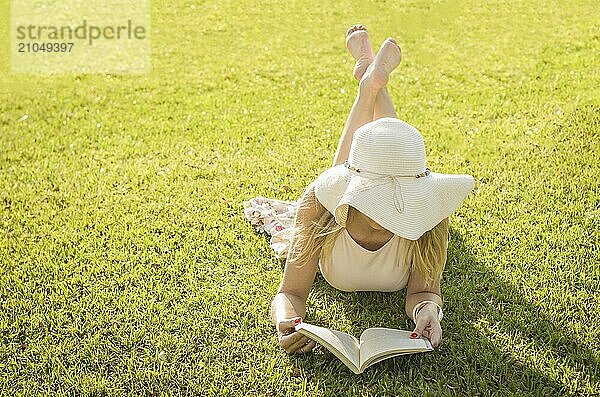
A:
(428, 325)
(292, 341)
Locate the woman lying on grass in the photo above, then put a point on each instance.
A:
(378, 219)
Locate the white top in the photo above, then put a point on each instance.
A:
(355, 268)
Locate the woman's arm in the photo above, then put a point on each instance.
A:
(426, 323)
(290, 300)
(417, 291)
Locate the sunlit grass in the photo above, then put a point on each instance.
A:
(127, 266)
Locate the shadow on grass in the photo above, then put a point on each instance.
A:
(495, 340)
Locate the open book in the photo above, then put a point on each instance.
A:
(374, 345)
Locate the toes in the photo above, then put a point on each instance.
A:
(391, 40)
(354, 28)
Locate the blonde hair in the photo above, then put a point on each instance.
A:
(428, 253)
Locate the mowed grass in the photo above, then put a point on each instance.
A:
(127, 267)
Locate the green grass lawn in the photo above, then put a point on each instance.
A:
(127, 267)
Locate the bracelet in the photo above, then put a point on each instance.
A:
(420, 305)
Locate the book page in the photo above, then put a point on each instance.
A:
(344, 346)
(377, 344)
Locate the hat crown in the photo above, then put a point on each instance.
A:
(388, 146)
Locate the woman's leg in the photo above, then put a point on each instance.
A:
(360, 114)
(371, 85)
(383, 105)
(359, 46)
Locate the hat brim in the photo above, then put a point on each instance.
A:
(424, 202)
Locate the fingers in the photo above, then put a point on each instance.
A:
(287, 339)
(296, 343)
(290, 340)
(307, 347)
(435, 336)
(422, 322)
(288, 323)
(428, 326)
(432, 331)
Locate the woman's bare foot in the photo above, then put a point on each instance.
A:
(357, 42)
(378, 72)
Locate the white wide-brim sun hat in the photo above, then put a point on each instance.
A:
(386, 179)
